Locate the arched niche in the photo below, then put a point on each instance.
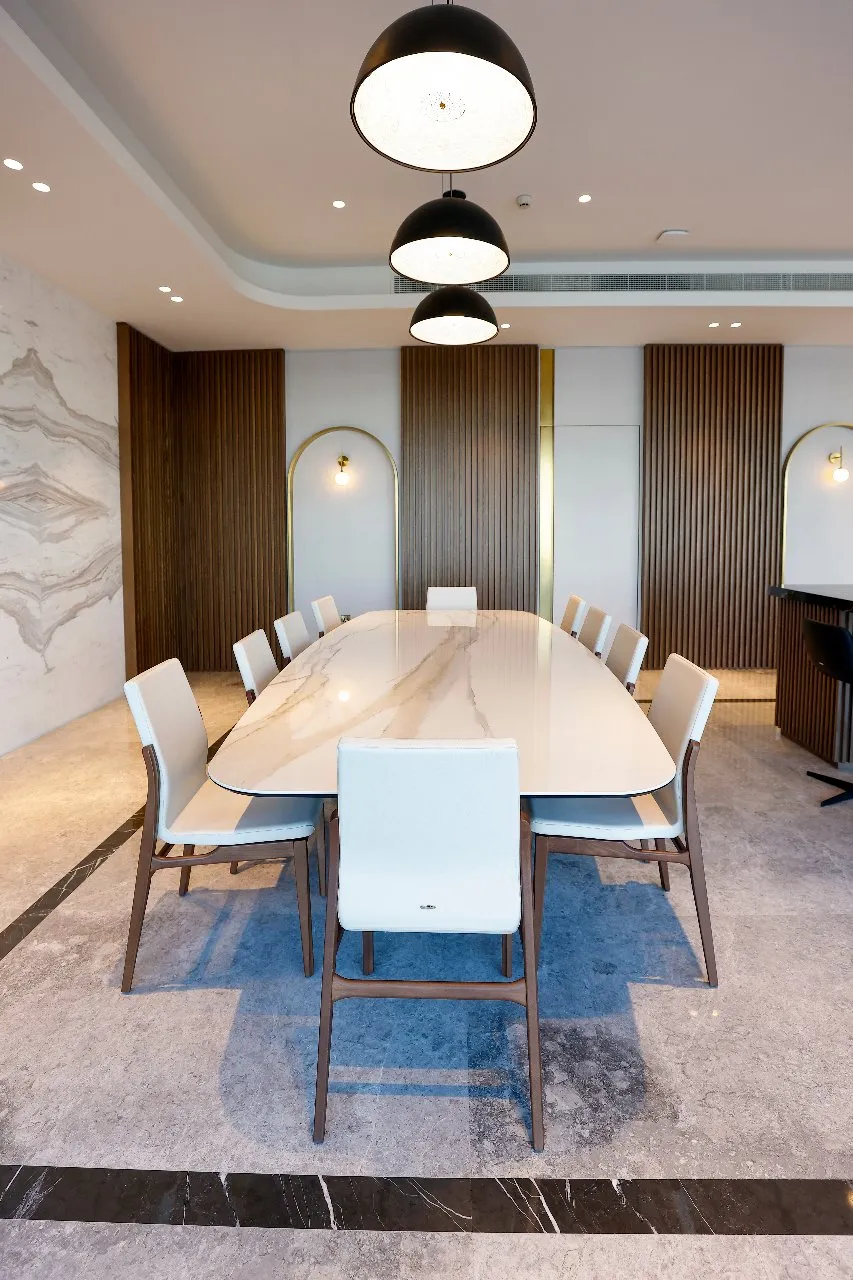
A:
(817, 512)
(315, 489)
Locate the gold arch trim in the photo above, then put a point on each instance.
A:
(291, 472)
(821, 426)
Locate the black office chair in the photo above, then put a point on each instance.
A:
(830, 648)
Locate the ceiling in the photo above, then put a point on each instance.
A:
(200, 144)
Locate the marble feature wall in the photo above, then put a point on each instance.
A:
(61, 640)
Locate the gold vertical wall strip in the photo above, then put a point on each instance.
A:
(546, 484)
(469, 473)
(710, 513)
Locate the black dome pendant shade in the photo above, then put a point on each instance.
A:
(453, 317)
(449, 241)
(444, 89)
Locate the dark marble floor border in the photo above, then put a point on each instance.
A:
(667, 1206)
(53, 897)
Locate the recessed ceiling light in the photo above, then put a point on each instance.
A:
(339, 204)
(672, 233)
(504, 325)
(735, 324)
(176, 298)
(40, 186)
(585, 198)
(165, 288)
(13, 164)
(715, 324)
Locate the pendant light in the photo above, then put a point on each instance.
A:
(450, 240)
(453, 317)
(445, 89)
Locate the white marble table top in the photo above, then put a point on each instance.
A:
(400, 675)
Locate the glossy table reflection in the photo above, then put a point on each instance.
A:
(406, 674)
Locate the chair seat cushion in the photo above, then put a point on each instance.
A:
(216, 816)
(645, 817)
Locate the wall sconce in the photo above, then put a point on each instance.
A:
(343, 463)
(840, 473)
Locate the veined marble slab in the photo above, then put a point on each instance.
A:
(399, 675)
(61, 634)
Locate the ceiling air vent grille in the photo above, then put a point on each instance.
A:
(669, 282)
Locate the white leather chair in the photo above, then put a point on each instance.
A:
(574, 615)
(626, 655)
(293, 637)
(600, 825)
(326, 614)
(463, 867)
(594, 629)
(451, 598)
(185, 808)
(256, 663)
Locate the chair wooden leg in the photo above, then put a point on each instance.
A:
(303, 898)
(320, 846)
(185, 871)
(697, 875)
(367, 953)
(324, 1044)
(506, 955)
(663, 867)
(540, 855)
(137, 910)
(534, 1051)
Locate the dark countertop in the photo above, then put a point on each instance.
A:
(833, 594)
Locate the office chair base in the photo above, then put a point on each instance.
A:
(845, 788)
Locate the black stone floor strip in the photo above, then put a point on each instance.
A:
(520, 1206)
(53, 897)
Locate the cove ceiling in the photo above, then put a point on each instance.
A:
(201, 143)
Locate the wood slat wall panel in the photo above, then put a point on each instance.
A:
(148, 500)
(207, 485)
(710, 523)
(469, 475)
(811, 710)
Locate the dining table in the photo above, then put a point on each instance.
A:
(438, 676)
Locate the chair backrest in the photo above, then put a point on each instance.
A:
(626, 654)
(574, 615)
(681, 706)
(292, 634)
(830, 648)
(168, 719)
(429, 835)
(255, 661)
(593, 633)
(451, 598)
(326, 614)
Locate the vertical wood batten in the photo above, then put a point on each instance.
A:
(203, 459)
(470, 432)
(710, 518)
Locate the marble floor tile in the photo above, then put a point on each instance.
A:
(63, 793)
(78, 1251)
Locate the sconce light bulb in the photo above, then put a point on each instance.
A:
(841, 474)
(342, 478)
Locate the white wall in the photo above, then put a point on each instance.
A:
(818, 388)
(343, 536)
(598, 410)
(61, 633)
